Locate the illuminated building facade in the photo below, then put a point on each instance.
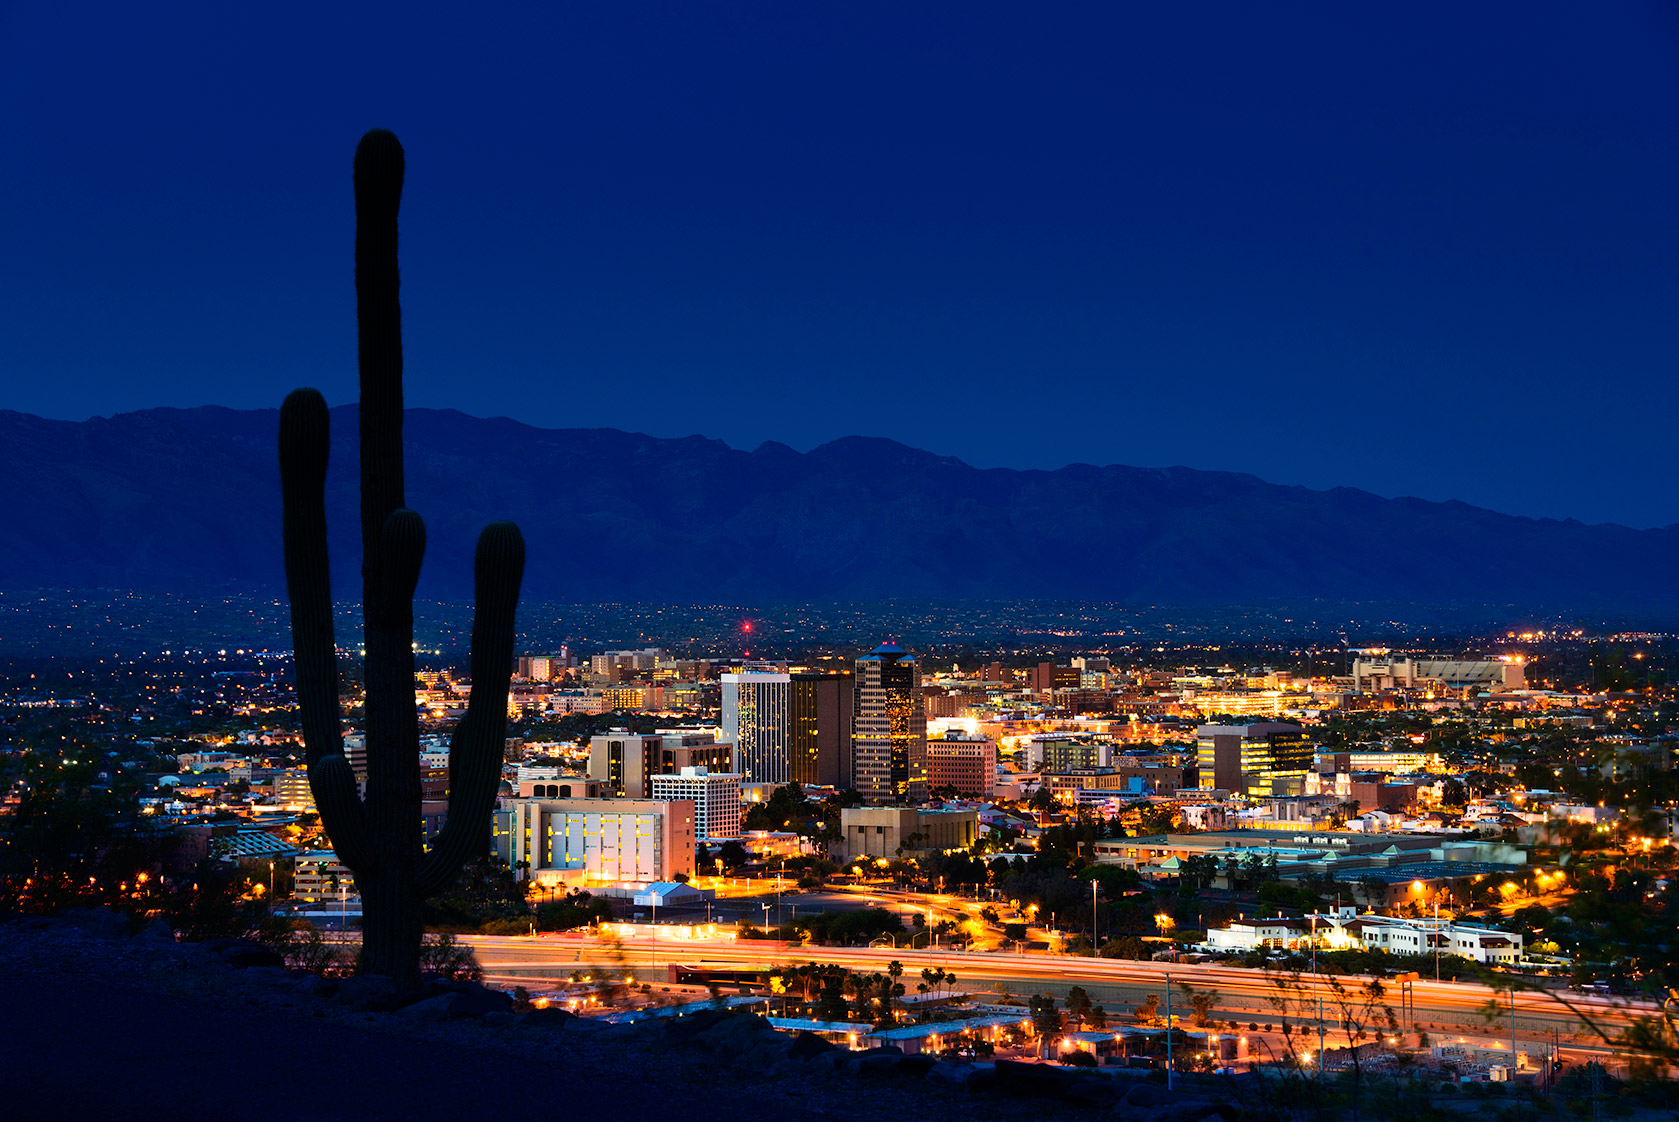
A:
(291, 790)
(966, 763)
(624, 763)
(889, 752)
(715, 795)
(821, 708)
(888, 832)
(756, 718)
(596, 841)
(1262, 761)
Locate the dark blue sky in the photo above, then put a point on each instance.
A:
(1395, 246)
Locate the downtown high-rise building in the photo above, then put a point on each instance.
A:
(1261, 761)
(822, 710)
(757, 720)
(889, 748)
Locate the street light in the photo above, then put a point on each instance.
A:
(1436, 938)
(1093, 916)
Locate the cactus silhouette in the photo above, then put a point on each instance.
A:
(379, 838)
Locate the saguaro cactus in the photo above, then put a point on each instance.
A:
(379, 838)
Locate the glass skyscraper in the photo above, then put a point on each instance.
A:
(889, 750)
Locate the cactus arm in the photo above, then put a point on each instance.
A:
(304, 445)
(476, 750)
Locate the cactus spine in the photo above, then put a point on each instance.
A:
(379, 838)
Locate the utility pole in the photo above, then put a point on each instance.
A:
(1512, 1027)
(1320, 1038)
(1437, 935)
(1168, 1030)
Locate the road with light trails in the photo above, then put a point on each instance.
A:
(1244, 995)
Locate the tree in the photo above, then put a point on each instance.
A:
(1362, 1010)
(910, 842)
(1149, 1011)
(1201, 1002)
(1046, 1019)
(379, 839)
(1078, 1004)
(1125, 946)
(1196, 872)
(1154, 819)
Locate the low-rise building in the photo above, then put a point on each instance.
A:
(885, 831)
(1345, 927)
(291, 790)
(559, 786)
(1257, 934)
(596, 841)
(317, 877)
(1425, 936)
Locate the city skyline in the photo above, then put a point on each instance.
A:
(727, 746)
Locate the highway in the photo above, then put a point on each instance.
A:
(1443, 1009)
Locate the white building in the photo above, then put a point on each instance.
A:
(1371, 674)
(1251, 934)
(715, 795)
(756, 719)
(1425, 936)
(1344, 928)
(596, 841)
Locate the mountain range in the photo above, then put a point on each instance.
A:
(188, 500)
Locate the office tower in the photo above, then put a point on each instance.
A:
(756, 717)
(822, 708)
(1261, 761)
(1046, 677)
(889, 750)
